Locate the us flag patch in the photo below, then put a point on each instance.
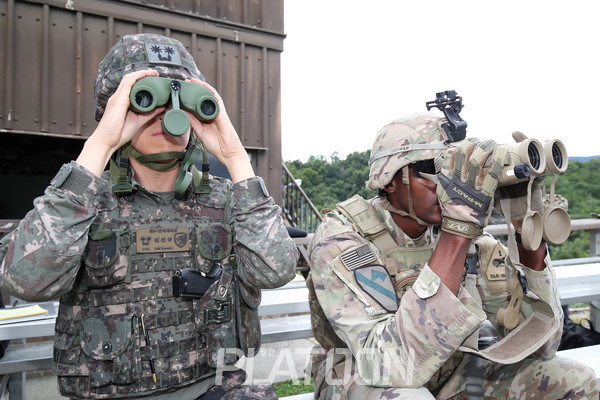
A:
(358, 257)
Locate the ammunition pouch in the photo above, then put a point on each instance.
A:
(106, 258)
(110, 342)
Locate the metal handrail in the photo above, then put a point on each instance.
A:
(298, 210)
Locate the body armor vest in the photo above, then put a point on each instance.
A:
(404, 263)
(120, 331)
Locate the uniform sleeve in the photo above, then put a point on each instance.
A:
(543, 285)
(267, 256)
(41, 258)
(494, 270)
(400, 348)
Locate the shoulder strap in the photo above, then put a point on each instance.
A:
(367, 222)
(201, 185)
(119, 170)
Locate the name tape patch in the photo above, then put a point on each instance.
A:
(496, 271)
(162, 240)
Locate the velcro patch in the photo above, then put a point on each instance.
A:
(162, 240)
(496, 271)
(358, 257)
(375, 280)
(162, 54)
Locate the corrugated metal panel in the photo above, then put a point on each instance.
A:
(264, 14)
(49, 56)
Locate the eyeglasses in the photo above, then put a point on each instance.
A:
(424, 167)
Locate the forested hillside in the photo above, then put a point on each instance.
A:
(329, 181)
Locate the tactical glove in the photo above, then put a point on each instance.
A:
(466, 185)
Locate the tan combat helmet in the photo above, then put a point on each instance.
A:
(401, 143)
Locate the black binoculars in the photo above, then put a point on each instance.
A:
(151, 92)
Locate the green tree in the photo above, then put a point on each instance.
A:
(328, 182)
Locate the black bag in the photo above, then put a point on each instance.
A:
(577, 335)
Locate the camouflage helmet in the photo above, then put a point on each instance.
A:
(402, 142)
(138, 52)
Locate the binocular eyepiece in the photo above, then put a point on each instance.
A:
(531, 158)
(151, 92)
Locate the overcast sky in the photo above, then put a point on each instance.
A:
(349, 67)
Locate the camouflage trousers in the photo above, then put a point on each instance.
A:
(554, 379)
(232, 388)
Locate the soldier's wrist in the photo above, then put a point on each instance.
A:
(461, 228)
(519, 239)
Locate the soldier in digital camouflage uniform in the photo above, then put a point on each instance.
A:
(404, 285)
(110, 257)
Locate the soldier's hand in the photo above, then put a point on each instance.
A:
(117, 127)
(220, 138)
(466, 185)
(119, 124)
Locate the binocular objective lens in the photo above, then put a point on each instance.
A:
(557, 156)
(208, 108)
(534, 156)
(143, 99)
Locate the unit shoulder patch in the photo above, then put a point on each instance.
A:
(375, 280)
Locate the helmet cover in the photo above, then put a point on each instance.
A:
(141, 52)
(404, 141)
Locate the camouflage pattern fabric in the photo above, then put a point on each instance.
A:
(140, 52)
(111, 259)
(559, 201)
(412, 352)
(555, 378)
(404, 141)
(516, 196)
(233, 388)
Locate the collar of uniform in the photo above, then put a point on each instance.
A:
(154, 197)
(426, 238)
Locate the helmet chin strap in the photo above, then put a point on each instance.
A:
(411, 211)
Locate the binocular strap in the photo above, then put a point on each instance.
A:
(156, 161)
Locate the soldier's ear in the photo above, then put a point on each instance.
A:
(391, 187)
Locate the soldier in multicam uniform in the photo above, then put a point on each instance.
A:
(409, 296)
(120, 332)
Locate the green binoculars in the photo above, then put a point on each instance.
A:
(151, 92)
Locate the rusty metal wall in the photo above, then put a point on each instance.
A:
(50, 50)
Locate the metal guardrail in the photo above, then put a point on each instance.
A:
(591, 225)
